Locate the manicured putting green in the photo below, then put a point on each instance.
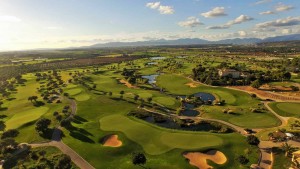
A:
(25, 117)
(82, 97)
(145, 95)
(157, 141)
(261, 120)
(73, 92)
(286, 109)
(165, 101)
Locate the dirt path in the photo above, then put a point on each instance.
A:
(284, 120)
(265, 94)
(58, 143)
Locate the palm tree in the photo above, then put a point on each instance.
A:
(287, 148)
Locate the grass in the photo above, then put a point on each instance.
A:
(240, 102)
(286, 109)
(99, 115)
(161, 141)
(25, 117)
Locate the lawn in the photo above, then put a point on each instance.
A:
(99, 115)
(240, 102)
(25, 117)
(286, 109)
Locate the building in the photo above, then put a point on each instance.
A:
(229, 72)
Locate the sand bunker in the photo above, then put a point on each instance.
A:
(127, 84)
(192, 84)
(112, 141)
(200, 159)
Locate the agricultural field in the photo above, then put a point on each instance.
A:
(105, 113)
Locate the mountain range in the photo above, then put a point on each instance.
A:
(196, 41)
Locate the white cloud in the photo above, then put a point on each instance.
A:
(267, 13)
(262, 2)
(289, 21)
(242, 33)
(218, 27)
(281, 7)
(190, 22)
(217, 11)
(238, 20)
(153, 5)
(9, 18)
(166, 10)
(286, 31)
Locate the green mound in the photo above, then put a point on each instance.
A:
(165, 101)
(25, 117)
(82, 97)
(74, 92)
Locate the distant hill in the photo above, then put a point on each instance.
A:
(196, 41)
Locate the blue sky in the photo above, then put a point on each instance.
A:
(27, 24)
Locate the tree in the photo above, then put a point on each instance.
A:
(149, 99)
(253, 140)
(287, 148)
(2, 126)
(242, 159)
(42, 125)
(255, 84)
(64, 162)
(139, 159)
(10, 134)
(122, 93)
(136, 97)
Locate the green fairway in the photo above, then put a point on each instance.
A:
(165, 100)
(161, 141)
(286, 109)
(82, 97)
(24, 117)
(240, 102)
(74, 91)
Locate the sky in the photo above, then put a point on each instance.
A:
(32, 24)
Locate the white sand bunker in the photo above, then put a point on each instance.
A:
(200, 159)
(192, 85)
(111, 141)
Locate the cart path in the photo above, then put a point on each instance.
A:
(58, 143)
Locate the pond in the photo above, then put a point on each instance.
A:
(188, 108)
(158, 58)
(151, 78)
(203, 96)
(171, 124)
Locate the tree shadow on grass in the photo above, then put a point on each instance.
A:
(81, 137)
(3, 108)
(2, 116)
(38, 104)
(11, 99)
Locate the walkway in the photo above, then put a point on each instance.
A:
(58, 143)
